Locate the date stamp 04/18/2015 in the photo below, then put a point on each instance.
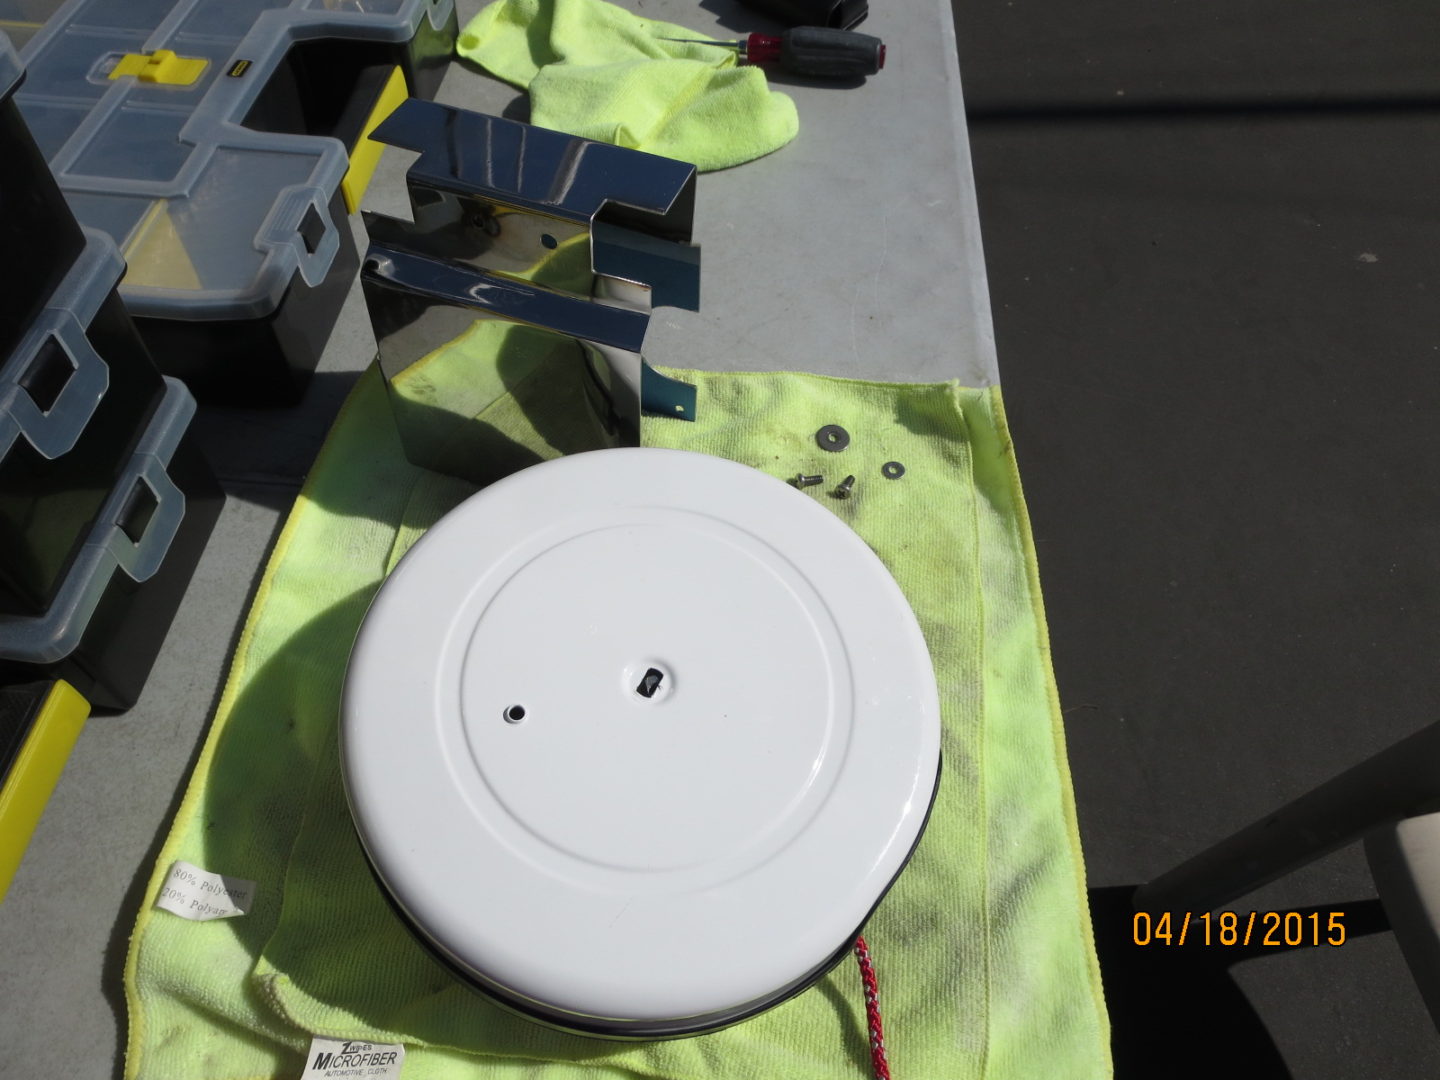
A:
(1281, 929)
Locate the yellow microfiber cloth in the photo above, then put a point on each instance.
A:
(595, 70)
(983, 948)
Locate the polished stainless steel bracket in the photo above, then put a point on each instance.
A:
(530, 228)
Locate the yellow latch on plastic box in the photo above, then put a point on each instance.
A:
(161, 66)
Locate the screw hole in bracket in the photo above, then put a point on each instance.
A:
(514, 714)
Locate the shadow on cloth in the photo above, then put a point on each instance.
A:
(335, 955)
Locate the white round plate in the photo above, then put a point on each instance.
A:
(621, 862)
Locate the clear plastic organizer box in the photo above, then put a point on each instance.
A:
(202, 136)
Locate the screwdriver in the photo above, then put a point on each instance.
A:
(809, 50)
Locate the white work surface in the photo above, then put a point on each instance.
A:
(855, 251)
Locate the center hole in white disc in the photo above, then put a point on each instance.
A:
(650, 682)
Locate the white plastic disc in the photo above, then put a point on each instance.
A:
(636, 739)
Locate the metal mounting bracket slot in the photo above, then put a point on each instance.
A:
(536, 243)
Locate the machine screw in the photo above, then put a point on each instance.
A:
(803, 481)
(842, 490)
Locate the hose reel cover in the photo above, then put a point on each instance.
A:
(636, 740)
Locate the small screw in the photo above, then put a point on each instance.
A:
(803, 481)
(842, 491)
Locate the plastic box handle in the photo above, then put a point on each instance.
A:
(52, 432)
(48, 638)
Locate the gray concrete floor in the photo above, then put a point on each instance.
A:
(1210, 236)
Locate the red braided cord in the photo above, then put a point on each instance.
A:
(878, 1061)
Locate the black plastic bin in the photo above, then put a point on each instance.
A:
(111, 615)
(39, 237)
(76, 394)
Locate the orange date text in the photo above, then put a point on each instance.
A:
(1281, 929)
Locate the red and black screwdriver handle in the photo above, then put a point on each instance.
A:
(818, 51)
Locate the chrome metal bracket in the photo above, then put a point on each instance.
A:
(532, 228)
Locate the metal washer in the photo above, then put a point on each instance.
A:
(832, 437)
(892, 470)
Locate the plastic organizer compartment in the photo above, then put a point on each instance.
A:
(76, 395)
(208, 138)
(110, 616)
(34, 219)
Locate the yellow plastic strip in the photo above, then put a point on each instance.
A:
(35, 773)
(162, 66)
(366, 155)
